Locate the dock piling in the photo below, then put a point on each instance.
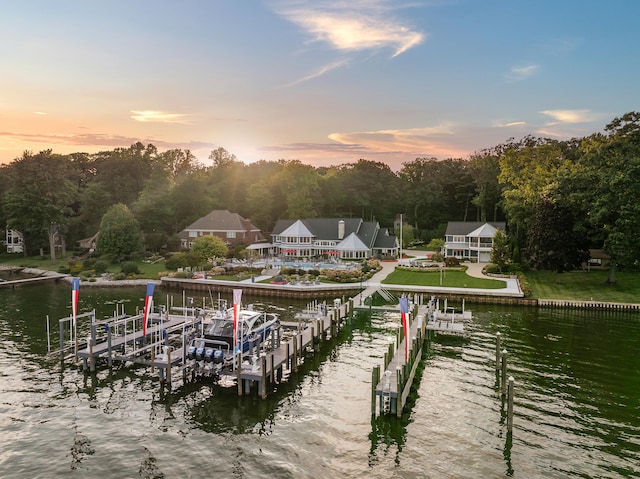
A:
(503, 378)
(510, 405)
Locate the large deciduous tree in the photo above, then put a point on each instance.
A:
(208, 247)
(120, 233)
(610, 180)
(554, 243)
(39, 198)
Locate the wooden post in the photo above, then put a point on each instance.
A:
(498, 340)
(510, 406)
(399, 383)
(109, 350)
(61, 324)
(503, 379)
(169, 367)
(92, 361)
(239, 371)
(375, 379)
(288, 355)
(271, 369)
(263, 378)
(294, 358)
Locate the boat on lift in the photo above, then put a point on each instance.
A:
(215, 351)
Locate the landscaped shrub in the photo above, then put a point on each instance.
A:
(129, 268)
(75, 268)
(182, 260)
(101, 266)
(119, 276)
(451, 261)
(62, 269)
(88, 263)
(492, 269)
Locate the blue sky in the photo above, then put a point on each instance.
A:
(326, 82)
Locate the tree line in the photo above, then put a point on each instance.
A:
(558, 198)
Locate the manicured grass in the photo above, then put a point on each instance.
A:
(450, 279)
(585, 286)
(147, 270)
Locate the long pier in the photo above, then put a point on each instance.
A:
(164, 347)
(391, 389)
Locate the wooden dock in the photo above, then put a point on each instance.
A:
(391, 386)
(164, 347)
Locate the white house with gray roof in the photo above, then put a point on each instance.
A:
(471, 240)
(340, 238)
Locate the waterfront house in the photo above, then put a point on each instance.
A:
(230, 227)
(471, 240)
(333, 238)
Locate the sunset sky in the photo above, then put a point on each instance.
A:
(326, 82)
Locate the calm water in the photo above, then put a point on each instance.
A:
(577, 407)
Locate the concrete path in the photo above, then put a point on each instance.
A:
(512, 287)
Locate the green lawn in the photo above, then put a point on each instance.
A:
(585, 286)
(148, 271)
(450, 279)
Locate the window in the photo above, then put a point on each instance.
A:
(231, 234)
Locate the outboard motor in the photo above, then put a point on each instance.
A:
(218, 356)
(191, 353)
(200, 353)
(208, 354)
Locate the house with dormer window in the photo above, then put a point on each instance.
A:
(230, 227)
(471, 240)
(339, 238)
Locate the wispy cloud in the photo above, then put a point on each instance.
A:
(353, 26)
(570, 116)
(318, 73)
(98, 140)
(154, 116)
(519, 73)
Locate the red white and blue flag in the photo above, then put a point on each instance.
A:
(404, 314)
(148, 306)
(237, 298)
(75, 292)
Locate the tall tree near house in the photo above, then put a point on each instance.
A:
(609, 175)
(39, 196)
(208, 247)
(553, 241)
(120, 233)
(299, 184)
(527, 168)
(500, 252)
(485, 168)
(123, 171)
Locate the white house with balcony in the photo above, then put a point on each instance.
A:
(471, 240)
(339, 238)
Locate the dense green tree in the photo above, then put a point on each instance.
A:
(500, 252)
(607, 186)
(120, 233)
(553, 241)
(299, 184)
(209, 247)
(124, 171)
(38, 199)
(485, 169)
(371, 191)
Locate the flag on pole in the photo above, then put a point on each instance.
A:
(75, 292)
(148, 306)
(237, 297)
(404, 313)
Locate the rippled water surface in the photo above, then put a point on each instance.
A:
(577, 406)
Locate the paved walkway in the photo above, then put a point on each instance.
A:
(512, 287)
